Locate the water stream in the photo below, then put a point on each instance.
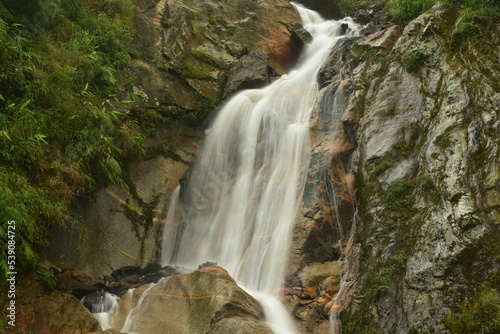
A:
(244, 191)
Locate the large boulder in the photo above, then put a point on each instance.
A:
(205, 301)
(54, 312)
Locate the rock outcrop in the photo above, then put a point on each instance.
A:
(205, 301)
(193, 53)
(328, 204)
(192, 45)
(426, 160)
(57, 312)
(410, 166)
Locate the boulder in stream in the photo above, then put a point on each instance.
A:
(205, 301)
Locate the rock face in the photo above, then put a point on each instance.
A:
(405, 154)
(427, 159)
(54, 312)
(328, 204)
(193, 44)
(250, 72)
(205, 301)
(124, 226)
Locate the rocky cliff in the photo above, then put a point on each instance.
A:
(427, 169)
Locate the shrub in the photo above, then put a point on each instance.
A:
(60, 132)
(414, 60)
(406, 10)
(380, 283)
(480, 315)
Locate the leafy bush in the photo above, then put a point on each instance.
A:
(480, 315)
(380, 283)
(62, 68)
(414, 60)
(33, 209)
(406, 10)
(399, 193)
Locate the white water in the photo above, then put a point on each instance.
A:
(244, 191)
(245, 188)
(103, 307)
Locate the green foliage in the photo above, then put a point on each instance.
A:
(359, 323)
(403, 11)
(444, 140)
(414, 60)
(349, 7)
(404, 148)
(63, 129)
(406, 10)
(480, 315)
(378, 166)
(399, 193)
(33, 209)
(382, 167)
(473, 15)
(46, 278)
(380, 283)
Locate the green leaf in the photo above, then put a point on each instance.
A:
(25, 103)
(4, 133)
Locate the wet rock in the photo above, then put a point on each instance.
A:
(250, 72)
(54, 312)
(126, 272)
(207, 264)
(300, 36)
(236, 325)
(205, 301)
(118, 288)
(363, 16)
(131, 277)
(327, 204)
(78, 282)
(99, 302)
(345, 28)
(424, 194)
(322, 275)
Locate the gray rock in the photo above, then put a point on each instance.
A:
(205, 301)
(300, 36)
(362, 16)
(424, 153)
(250, 72)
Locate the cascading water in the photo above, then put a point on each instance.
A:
(245, 188)
(244, 191)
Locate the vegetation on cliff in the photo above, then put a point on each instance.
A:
(64, 123)
(403, 11)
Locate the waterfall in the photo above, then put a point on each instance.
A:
(244, 191)
(245, 188)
